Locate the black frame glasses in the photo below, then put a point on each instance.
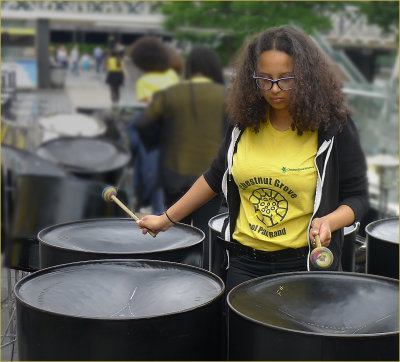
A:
(272, 82)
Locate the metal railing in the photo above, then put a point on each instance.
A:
(99, 7)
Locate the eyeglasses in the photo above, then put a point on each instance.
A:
(267, 84)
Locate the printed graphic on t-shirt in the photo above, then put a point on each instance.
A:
(270, 206)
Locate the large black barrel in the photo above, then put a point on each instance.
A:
(349, 247)
(218, 257)
(16, 162)
(44, 201)
(129, 310)
(323, 316)
(382, 243)
(91, 158)
(118, 239)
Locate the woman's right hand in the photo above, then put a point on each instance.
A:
(154, 223)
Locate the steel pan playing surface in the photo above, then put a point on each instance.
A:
(93, 158)
(119, 310)
(117, 238)
(340, 315)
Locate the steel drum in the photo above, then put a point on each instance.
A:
(382, 243)
(44, 201)
(75, 124)
(16, 162)
(22, 162)
(91, 158)
(218, 257)
(118, 239)
(325, 316)
(349, 247)
(129, 310)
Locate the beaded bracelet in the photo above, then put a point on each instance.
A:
(169, 218)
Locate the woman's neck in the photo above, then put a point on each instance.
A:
(281, 120)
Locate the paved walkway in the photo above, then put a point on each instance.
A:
(89, 90)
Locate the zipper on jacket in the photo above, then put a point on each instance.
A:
(318, 192)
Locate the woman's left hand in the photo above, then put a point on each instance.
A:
(320, 226)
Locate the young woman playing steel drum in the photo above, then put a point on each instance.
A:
(291, 166)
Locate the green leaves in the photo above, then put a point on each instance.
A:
(224, 25)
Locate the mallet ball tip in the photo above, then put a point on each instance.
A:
(108, 192)
(322, 257)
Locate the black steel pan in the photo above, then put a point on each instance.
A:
(218, 257)
(16, 162)
(91, 158)
(44, 201)
(22, 162)
(325, 316)
(382, 243)
(129, 310)
(349, 247)
(118, 239)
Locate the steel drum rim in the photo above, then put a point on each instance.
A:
(376, 222)
(290, 330)
(48, 228)
(85, 170)
(115, 261)
(214, 218)
(61, 172)
(351, 228)
(102, 126)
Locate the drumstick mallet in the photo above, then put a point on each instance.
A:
(109, 193)
(321, 257)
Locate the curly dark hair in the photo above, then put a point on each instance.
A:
(149, 53)
(202, 59)
(316, 99)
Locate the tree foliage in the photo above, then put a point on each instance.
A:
(225, 25)
(382, 13)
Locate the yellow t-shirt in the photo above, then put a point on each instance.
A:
(112, 64)
(152, 82)
(276, 176)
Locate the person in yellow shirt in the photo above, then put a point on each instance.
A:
(291, 166)
(154, 58)
(116, 74)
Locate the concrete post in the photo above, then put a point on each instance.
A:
(42, 52)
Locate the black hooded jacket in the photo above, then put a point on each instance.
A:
(341, 180)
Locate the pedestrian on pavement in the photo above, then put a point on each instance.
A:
(98, 58)
(74, 58)
(86, 62)
(62, 56)
(291, 166)
(116, 74)
(187, 121)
